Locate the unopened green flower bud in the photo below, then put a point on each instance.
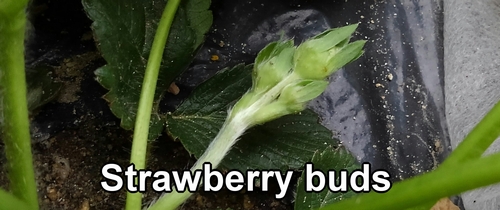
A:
(272, 111)
(327, 52)
(272, 64)
(292, 99)
(302, 92)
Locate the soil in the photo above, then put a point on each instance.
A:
(76, 134)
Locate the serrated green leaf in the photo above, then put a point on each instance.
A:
(328, 159)
(285, 143)
(200, 18)
(124, 31)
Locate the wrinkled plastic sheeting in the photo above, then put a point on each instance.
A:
(472, 60)
(387, 107)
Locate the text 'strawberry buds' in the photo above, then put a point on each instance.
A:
(325, 53)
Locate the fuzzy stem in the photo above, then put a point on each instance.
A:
(218, 148)
(234, 126)
(141, 129)
(225, 139)
(15, 106)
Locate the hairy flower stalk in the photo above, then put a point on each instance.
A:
(285, 78)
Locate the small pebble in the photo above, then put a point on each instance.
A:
(85, 205)
(52, 194)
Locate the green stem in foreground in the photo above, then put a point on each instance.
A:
(478, 140)
(141, 130)
(10, 201)
(474, 144)
(15, 107)
(428, 187)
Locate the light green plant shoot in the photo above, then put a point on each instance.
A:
(14, 105)
(285, 79)
(139, 144)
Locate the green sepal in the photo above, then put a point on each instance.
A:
(302, 91)
(324, 54)
(348, 54)
(336, 37)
